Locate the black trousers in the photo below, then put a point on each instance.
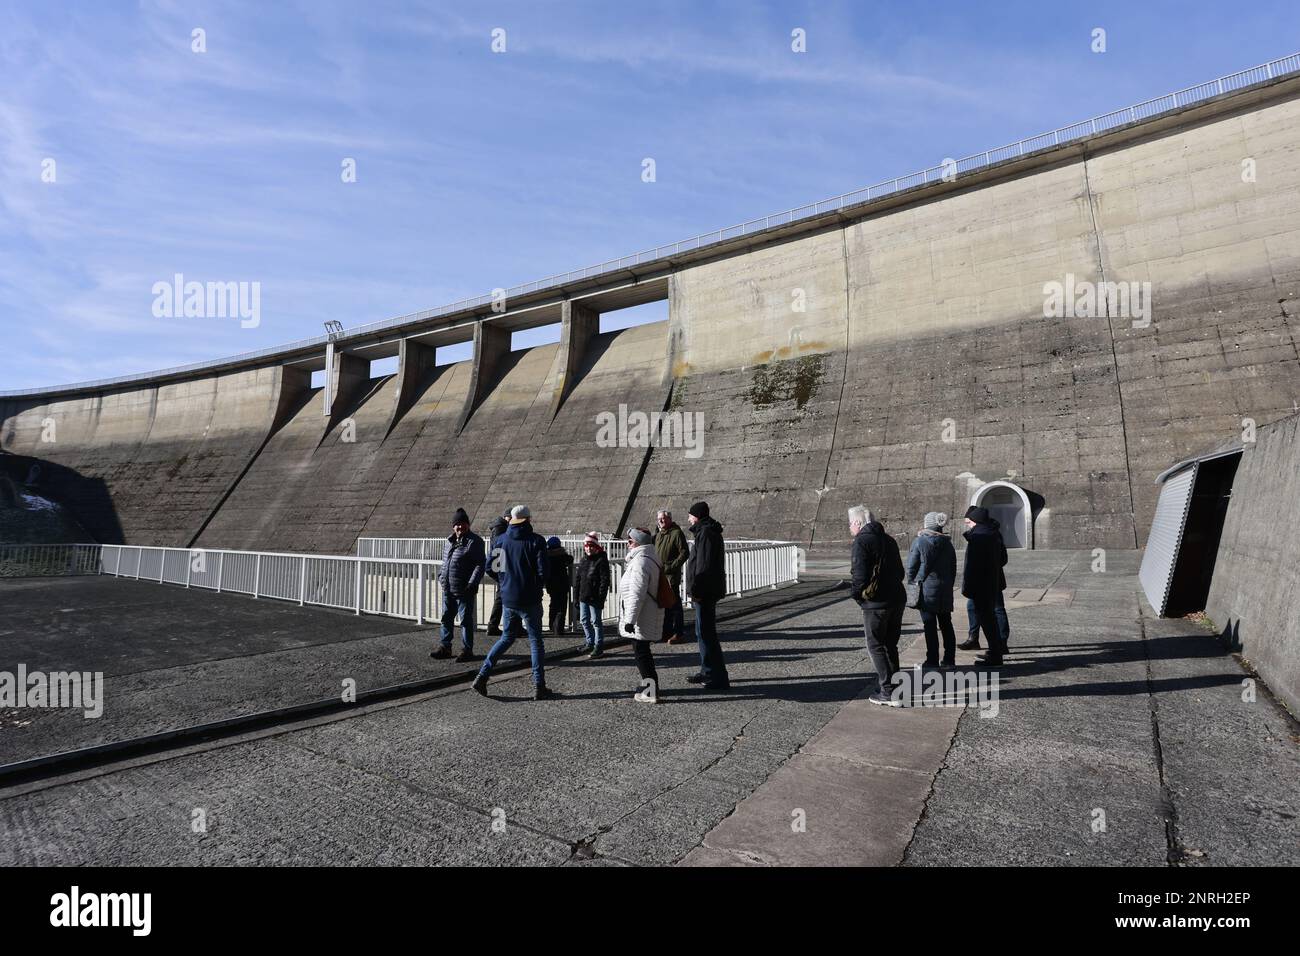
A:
(559, 611)
(883, 628)
(645, 661)
(933, 622)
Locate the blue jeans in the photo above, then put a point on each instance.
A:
(462, 607)
(999, 612)
(532, 618)
(592, 628)
(712, 666)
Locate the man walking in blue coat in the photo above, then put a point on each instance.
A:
(520, 573)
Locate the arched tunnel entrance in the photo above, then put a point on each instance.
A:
(1013, 509)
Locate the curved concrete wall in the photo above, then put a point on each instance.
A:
(897, 357)
(930, 318)
(1255, 594)
(148, 465)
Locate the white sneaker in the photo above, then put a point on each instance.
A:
(645, 697)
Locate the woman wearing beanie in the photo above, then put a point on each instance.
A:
(642, 618)
(932, 563)
(593, 589)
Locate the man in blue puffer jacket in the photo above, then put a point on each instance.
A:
(460, 574)
(520, 572)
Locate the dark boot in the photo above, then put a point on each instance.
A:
(542, 692)
(441, 653)
(480, 684)
(464, 657)
(971, 644)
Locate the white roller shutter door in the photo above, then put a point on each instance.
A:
(1166, 536)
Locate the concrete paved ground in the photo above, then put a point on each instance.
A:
(175, 657)
(1103, 711)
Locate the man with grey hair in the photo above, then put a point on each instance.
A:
(672, 551)
(878, 589)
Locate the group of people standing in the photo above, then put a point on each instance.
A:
(881, 584)
(524, 565)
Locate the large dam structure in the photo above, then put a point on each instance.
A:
(896, 347)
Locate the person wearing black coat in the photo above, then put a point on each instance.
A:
(559, 583)
(462, 570)
(498, 528)
(877, 573)
(982, 578)
(591, 590)
(706, 583)
(972, 642)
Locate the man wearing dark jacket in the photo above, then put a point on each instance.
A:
(972, 642)
(878, 589)
(672, 549)
(982, 579)
(706, 583)
(498, 528)
(559, 582)
(460, 574)
(521, 569)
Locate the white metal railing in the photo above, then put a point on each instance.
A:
(751, 565)
(404, 588)
(39, 560)
(435, 549)
(397, 587)
(1179, 99)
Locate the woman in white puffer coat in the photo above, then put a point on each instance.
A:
(642, 619)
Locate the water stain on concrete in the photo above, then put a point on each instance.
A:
(787, 380)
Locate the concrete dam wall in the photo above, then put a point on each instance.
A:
(1254, 598)
(895, 354)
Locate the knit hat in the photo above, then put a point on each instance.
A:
(460, 517)
(977, 514)
(935, 520)
(519, 514)
(552, 542)
(640, 536)
(593, 537)
(700, 509)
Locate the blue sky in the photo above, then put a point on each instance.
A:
(477, 169)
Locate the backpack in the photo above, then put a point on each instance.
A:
(666, 597)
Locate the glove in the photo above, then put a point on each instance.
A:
(629, 628)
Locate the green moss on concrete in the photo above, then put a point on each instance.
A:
(787, 380)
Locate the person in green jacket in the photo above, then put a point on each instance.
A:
(672, 549)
